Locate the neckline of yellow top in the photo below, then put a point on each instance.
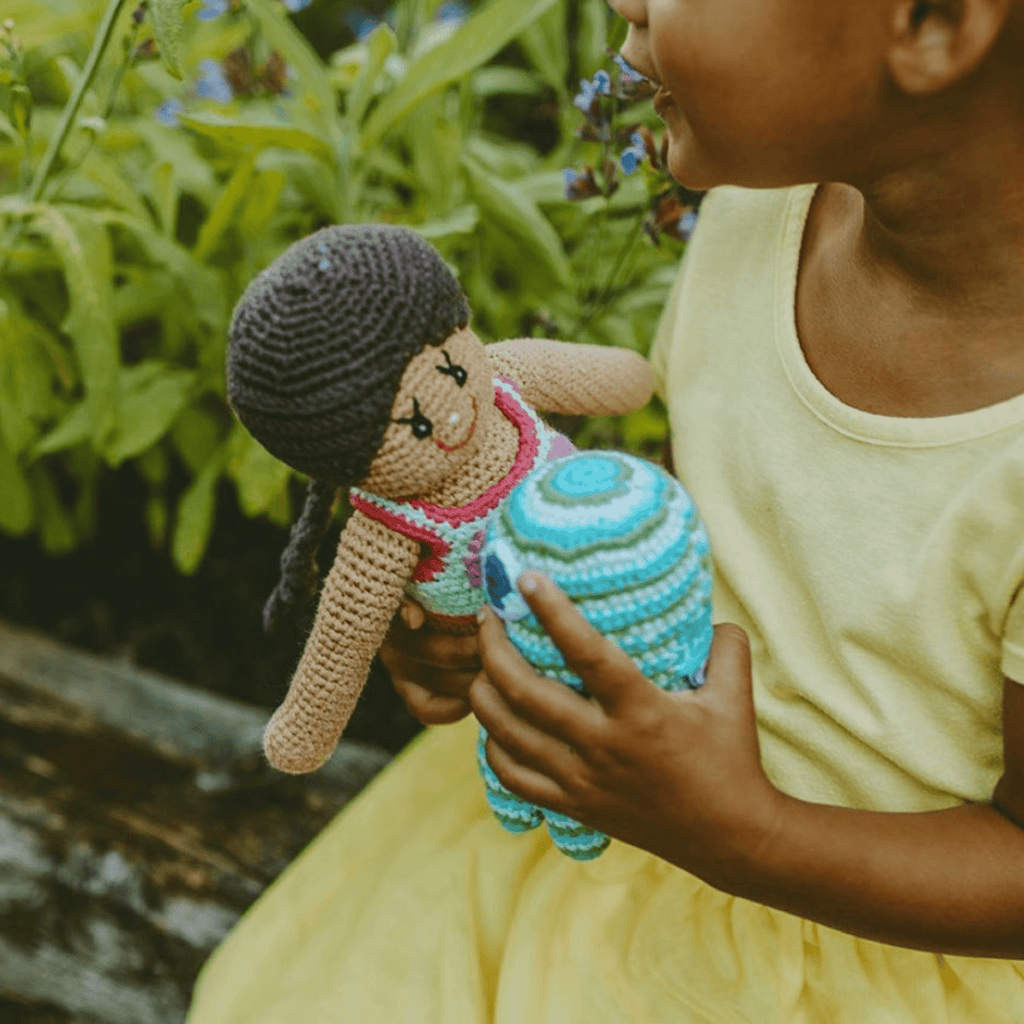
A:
(892, 431)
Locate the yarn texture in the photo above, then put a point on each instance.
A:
(447, 579)
(624, 541)
(320, 337)
(352, 360)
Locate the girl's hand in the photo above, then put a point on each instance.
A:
(430, 670)
(677, 774)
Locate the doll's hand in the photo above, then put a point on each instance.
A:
(430, 670)
(677, 774)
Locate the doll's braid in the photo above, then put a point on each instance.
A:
(299, 570)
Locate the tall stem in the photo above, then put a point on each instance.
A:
(67, 118)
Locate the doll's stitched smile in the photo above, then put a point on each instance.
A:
(465, 440)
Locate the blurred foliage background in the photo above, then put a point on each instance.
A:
(154, 158)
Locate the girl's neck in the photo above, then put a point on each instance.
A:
(490, 462)
(910, 298)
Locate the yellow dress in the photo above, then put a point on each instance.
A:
(876, 564)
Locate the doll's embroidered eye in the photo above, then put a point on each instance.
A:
(421, 426)
(453, 370)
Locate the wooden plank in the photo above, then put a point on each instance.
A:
(138, 820)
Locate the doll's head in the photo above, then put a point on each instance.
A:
(351, 360)
(321, 339)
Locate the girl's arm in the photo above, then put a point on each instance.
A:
(680, 775)
(361, 594)
(576, 380)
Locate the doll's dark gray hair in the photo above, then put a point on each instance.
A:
(318, 346)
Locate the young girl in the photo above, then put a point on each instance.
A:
(832, 830)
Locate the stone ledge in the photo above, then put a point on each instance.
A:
(138, 820)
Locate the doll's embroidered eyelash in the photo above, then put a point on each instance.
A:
(421, 426)
(453, 370)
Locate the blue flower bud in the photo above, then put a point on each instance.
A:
(212, 9)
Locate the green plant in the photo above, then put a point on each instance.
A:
(150, 169)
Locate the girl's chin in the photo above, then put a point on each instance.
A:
(683, 161)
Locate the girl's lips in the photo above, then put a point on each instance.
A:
(662, 99)
(465, 441)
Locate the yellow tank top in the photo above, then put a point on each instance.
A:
(875, 561)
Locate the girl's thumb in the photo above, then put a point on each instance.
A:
(729, 662)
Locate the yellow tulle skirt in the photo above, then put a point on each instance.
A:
(415, 907)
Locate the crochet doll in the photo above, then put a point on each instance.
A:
(352, 360)
(622, 539)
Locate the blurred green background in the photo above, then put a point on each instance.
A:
(210, 135)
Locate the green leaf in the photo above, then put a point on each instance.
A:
(16, 505)
(645, 428)
(83, 245)
(10, 131)
(115, 187)
(169, 29)
(194, 521)
(73, 429)
(254, 134)
(56, 526)
(476, 41)
(497, 81)
(261, 204)
(157, 518)
(195, 435)
(145, 293)
(312, 75)
(591, 41)
(261, 479)
(380, 45)
(224, 212)
(147, 412)
(436, 140)
(515, 214)
(545, 44)
(164, 190)
(26, 383)
(462, 221)
(204, 287)
(154, 466)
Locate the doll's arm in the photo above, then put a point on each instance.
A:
(360, 596)
(577, 380)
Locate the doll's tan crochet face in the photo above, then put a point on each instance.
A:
(440, 416)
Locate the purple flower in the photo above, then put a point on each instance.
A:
(629, 73)
(632, 155)
(686, 224)
(212, 9)
(359, 24)
(213, 85)
(452, 12)
(580, 186)
(589, 91)
(168, 111)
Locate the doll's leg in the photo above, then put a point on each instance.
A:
(514, 813)
(573, 839)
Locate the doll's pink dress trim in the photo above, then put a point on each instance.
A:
(446, 580)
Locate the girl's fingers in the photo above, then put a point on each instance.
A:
(527, 744)
(430, 647)
(431, 708)
(607, 671)
(729, 670)
(436, 680)
(524, 781)
(412, 613)
(551, 706)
